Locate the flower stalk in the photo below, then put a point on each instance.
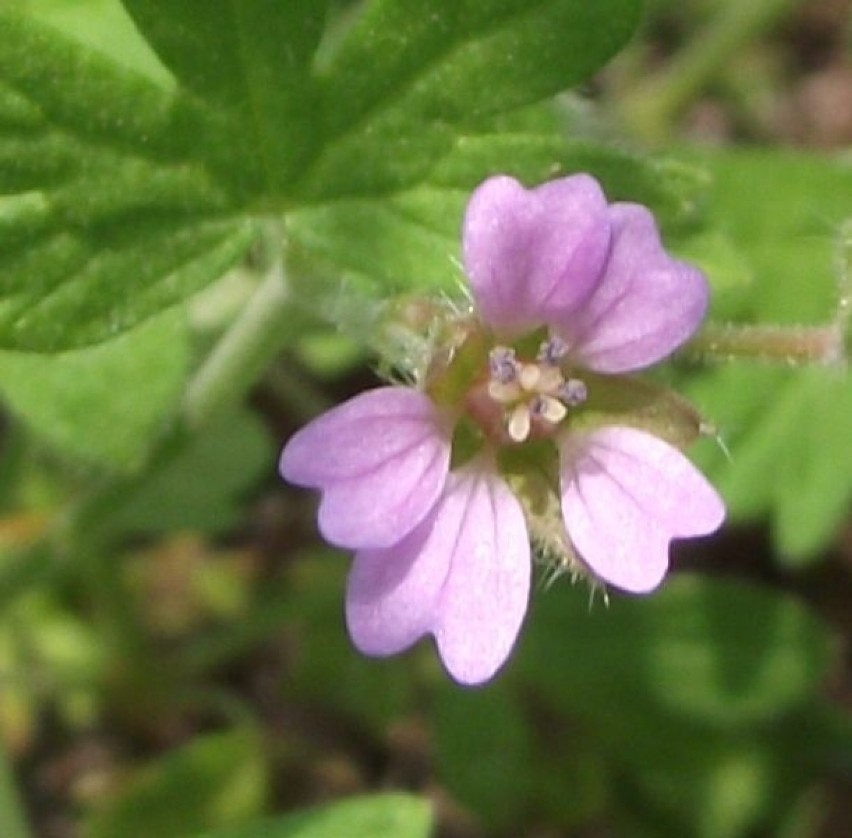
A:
(790, 345)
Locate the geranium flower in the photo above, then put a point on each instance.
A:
(570, 293)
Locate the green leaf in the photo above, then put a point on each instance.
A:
(326, 668)
(485, 751)
(109, 208)
(201, 488)
(68, 291)
(787, 430)
(721, 653)
(409, 76)
(87, 403)
(790, 456)
(103, 25)
(253, 57)
(708, 784)
(52, 84)
(783, 210)
(217, 779)
(397, 815)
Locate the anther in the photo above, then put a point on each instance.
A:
(552, 351)
(548, 408)
(530, 376)
(502, 365)
(550, 380)
(573, 392)
(519, 423)
(504, 392)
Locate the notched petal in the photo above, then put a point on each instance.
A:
(380, 459)
(392, 594)
(625, 496)
(381, 507)
(463, 576)
(485, 596)
(645, 306)
(534, 255)
(356, 436)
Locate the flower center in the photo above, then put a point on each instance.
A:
(532, 395)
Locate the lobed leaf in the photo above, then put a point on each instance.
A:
(110, 207)
(69, 289)
(408, 77)
(251, 56)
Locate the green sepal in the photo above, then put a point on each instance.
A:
(637, 403)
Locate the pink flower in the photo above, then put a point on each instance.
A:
(571, 293)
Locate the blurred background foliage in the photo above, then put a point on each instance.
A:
(172, 651)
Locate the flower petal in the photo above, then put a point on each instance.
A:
(645, 306)
(532, 255)
(625, 495)
(350, 439)
(380, 459)
(486, 594)
(462, 575)
(392, 594)
(380, 508)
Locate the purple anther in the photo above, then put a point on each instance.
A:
(537, 406)
(502, 365)
(552, 351)
(573, 392)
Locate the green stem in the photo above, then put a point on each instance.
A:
(242, 353)
(13, 820)
(653, 104)
(844, 278)
(790, 345)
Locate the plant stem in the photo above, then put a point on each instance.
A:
(243, 352)
(791, 345)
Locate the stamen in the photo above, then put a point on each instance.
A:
(550, 381)
(530, 376)
(573, 392)
(502, 365)
(552, 351)
(519, 423)
(549, 408)
(504, 393)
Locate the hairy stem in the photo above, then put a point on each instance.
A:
(792, 345)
